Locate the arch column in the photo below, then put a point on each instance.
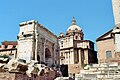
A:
(42, 55)
(44, 50)
(53, 53)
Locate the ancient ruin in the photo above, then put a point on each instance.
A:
(36, 56)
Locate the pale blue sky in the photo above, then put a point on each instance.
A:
(95, 17)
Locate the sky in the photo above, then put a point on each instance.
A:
(95, 17)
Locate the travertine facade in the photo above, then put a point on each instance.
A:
(74, 50)
(35, 42)
(116, 10)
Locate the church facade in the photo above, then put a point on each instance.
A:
(74, 50)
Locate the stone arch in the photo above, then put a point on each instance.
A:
(47, 53)
(48, 58)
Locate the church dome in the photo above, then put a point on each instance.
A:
(74, 26)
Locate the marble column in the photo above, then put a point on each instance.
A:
(79, 52)
(36, 47)
(72, 56)
(69, 57)
(44, 43)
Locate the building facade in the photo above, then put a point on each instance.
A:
(8, 50)
(74, 50)
(35, 42)
(109, 43)
(106, 47)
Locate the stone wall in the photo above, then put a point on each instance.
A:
(19, 76)
(35, 42)
(103, 46)
(26, 41)
(74, 68)
(14, 76)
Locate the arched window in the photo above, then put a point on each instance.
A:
(76, 37)
(76, 28)
(61, 43)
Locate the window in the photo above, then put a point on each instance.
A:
(76, 37)
(76, 29)
(108, 54)
(117, 28)
(22, 33)
(14, 46)
(27, 35)
(61, 43)
(6, 46)
(17, 37)
(61, 54)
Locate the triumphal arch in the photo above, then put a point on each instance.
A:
(35, 42)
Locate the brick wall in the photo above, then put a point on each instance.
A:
(103, 46)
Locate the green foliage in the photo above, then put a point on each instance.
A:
(4, 56)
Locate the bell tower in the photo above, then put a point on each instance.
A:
(116, 11)
(116, 30)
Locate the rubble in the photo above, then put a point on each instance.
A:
(15, 66)
(102, 71)
(33, 69)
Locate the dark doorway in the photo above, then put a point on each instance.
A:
(64, 70)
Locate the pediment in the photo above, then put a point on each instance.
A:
(107, 35)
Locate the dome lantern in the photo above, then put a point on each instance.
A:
(74, 26)
(73, 21)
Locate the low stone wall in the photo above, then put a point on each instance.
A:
(14, 76)
(20, 76)
(7, 76)
(74, 68)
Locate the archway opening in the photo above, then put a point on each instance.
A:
(48, 57)
(47, 53)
